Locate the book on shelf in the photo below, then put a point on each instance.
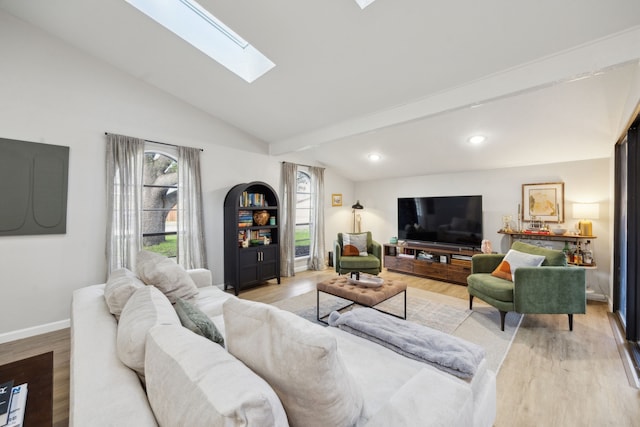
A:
(245, 219)
(17, 406)
(5, 398)
(253, 200)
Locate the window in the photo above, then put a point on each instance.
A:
(195, 25)
(303, 214)
(159, 203)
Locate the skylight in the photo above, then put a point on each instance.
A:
(191, 22)
(364, 3)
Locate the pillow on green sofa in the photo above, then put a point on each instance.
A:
(196, 321)
(514, 260)
(354, 244)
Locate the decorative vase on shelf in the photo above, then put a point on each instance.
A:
(261, 217)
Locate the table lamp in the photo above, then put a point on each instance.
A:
(584, 212)
(355, 207)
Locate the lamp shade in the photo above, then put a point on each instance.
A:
(357, 205)
(586, 210)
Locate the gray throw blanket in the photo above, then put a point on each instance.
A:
(446, 352)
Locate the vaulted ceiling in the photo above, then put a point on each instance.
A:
(545, 81)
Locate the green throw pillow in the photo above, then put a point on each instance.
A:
(196, 321)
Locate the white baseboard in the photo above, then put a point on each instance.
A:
(34, 330)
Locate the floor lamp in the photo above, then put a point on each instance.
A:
(356, 218)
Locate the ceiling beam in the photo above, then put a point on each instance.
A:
(579, 62)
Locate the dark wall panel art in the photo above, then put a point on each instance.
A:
(33, 188)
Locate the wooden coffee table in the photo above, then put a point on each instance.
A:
(37, 372)
(361, 295)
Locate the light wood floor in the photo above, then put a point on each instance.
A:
(551, 377)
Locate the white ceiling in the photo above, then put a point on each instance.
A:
(545, 81)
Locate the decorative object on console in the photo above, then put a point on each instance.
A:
(544, 202)
(485, 247)
(585, 212)
(356, 217)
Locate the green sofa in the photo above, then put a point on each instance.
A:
(372, 263)
(553, 288)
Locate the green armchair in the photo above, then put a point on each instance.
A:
(553, 288)
(372, 263)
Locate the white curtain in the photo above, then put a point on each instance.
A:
(191, 242)
(125, 159)
(316, 250)
(288, 219)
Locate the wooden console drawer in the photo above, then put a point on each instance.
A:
(459, 273)
(398, 263)
(431, 269)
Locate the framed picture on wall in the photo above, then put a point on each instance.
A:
(543, 202)
(336, 200)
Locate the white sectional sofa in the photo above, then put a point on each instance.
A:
(277, 369)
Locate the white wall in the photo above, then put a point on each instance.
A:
(53, 94)
(584, 182)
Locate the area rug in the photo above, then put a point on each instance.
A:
(442, 312)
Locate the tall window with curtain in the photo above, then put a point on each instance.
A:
(159, 188)
(302, 217)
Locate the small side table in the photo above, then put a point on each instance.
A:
(37, 372)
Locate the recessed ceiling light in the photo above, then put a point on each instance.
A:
(374, 157)
(195, 25)
(364, 3)
(477, 139)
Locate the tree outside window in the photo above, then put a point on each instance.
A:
(159, 204)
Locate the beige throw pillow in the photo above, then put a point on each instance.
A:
(193, 382)
(163, 273)
(300, 361)
(122, 283)
(354, 244)
(146, 308)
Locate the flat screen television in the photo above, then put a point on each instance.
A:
(452, 220)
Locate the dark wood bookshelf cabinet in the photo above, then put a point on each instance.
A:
(449, 264)
(248, 259)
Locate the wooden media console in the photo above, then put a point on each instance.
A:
(446, 263)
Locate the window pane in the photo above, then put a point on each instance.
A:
(302, 240)
(159, 198)
(165, 245)
(303, 216)
(159, 220)
(303, 202)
